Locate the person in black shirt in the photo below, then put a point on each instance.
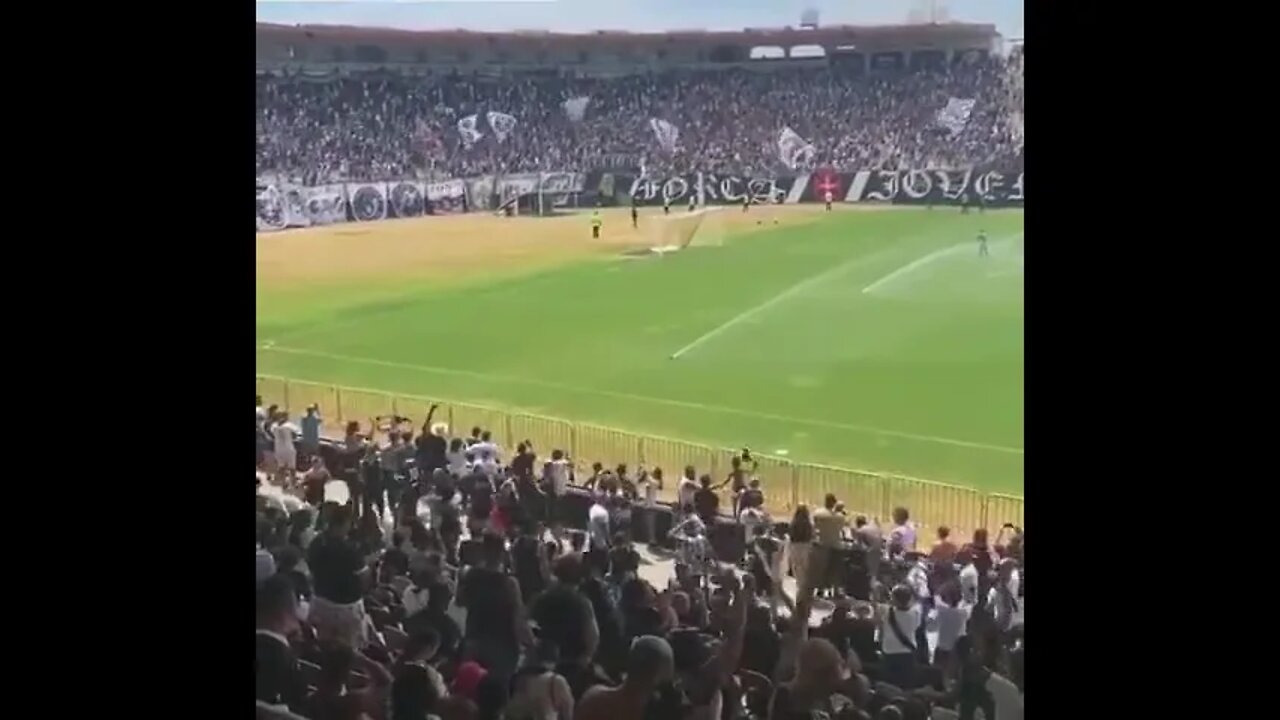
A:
(528, 563)
(705, 501)
(279, 679)
(429, 447)
(496, 623)
(371, 475)
(522, 463)
(339, 570)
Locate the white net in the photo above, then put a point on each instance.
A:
(702, 227)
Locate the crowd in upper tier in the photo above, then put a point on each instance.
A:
(390, 126)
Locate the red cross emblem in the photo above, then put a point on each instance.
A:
(827, 181)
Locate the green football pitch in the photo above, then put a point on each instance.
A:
(872, 340)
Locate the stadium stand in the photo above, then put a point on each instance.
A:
(379, 122)
(409, 573)
(406, 573)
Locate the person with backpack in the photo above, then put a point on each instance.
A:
(899, 620)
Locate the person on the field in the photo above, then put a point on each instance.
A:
(826, 198)
(635, 213)
(596, 222)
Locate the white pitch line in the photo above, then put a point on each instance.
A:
(802, 285)
(646, 399)
(918, 262)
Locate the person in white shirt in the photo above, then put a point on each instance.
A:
(283, 434)
(1007, 697)
(750, 519)
(598, 523)
(1002, 598)
(904, 531)
(694, 550)
(688, 488)
(899, 621)
(487, 444)
(969, 579)
(486, 462)
(456, 458)
(650, 483)
(951, 616)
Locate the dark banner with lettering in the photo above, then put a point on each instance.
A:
(706, 188)
(990, 186)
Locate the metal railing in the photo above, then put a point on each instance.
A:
(785, 483)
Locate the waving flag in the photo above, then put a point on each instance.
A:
(501, 123)
(467, 129)
(955, 115)
(666, 133)
(793, 149)
(576, 107)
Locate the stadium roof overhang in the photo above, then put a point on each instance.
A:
(884, 36)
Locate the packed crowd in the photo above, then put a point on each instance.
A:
(389, 126)
(404, 574)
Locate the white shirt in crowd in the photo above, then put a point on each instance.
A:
(1008, 700)
(487, 464)
(751, 519)
(1007, 611)
(560, 476)
(969, 584)
(457, 462)
(650, 493)
(687, 489)
(908, 621)
(950, 623)
(598, 526)
(904, 535)
(918, 579)
(262, 414)
(283, 435)
(482, 447)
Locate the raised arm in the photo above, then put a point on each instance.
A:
(426, 424)
(731, 648)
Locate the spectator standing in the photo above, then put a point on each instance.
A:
(944, 550)
(496, 622)
(904, 531)
(314, 481)
(900, 619)
(687, 490)
(311, 424)
(286, 454)
(800, 543)
(829, 528)
(279, 678)
(340, 573)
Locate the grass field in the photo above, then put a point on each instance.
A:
(874, 340)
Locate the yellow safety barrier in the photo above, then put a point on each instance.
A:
(1003, 509)
(363, 405)
(935, 504)
(673, 456)
(273, 391)
(303, 395)
(862, 493)
(784, 482)
(606, 445)
(468, 417)
(545, 433)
